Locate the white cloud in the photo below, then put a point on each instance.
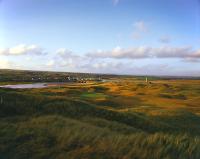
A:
(118, 60)
(137, 52)
(63, 52)
(5, 64)
(147, 52)
(140, 28)
(196, 54)
(50, 63)
(66, 53)
(104, 66)
(22, 49)
(165, 39)
(66, 58)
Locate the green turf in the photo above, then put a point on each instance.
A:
(93, 95)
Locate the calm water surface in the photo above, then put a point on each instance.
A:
(25, 86)
(37, 85)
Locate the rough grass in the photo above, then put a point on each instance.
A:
(125, 119)
(58, 137)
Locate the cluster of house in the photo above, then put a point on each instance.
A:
(65, 79)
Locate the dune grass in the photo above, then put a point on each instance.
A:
(59, 137)
(122, 119)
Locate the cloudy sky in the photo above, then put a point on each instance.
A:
(143, 37)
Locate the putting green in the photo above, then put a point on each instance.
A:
(93, 95)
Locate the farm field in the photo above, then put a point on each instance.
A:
(123, 117)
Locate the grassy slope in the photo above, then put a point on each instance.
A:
(124, 119)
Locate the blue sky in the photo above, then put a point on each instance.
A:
(107, 36)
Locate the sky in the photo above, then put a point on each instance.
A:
(137, 37)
